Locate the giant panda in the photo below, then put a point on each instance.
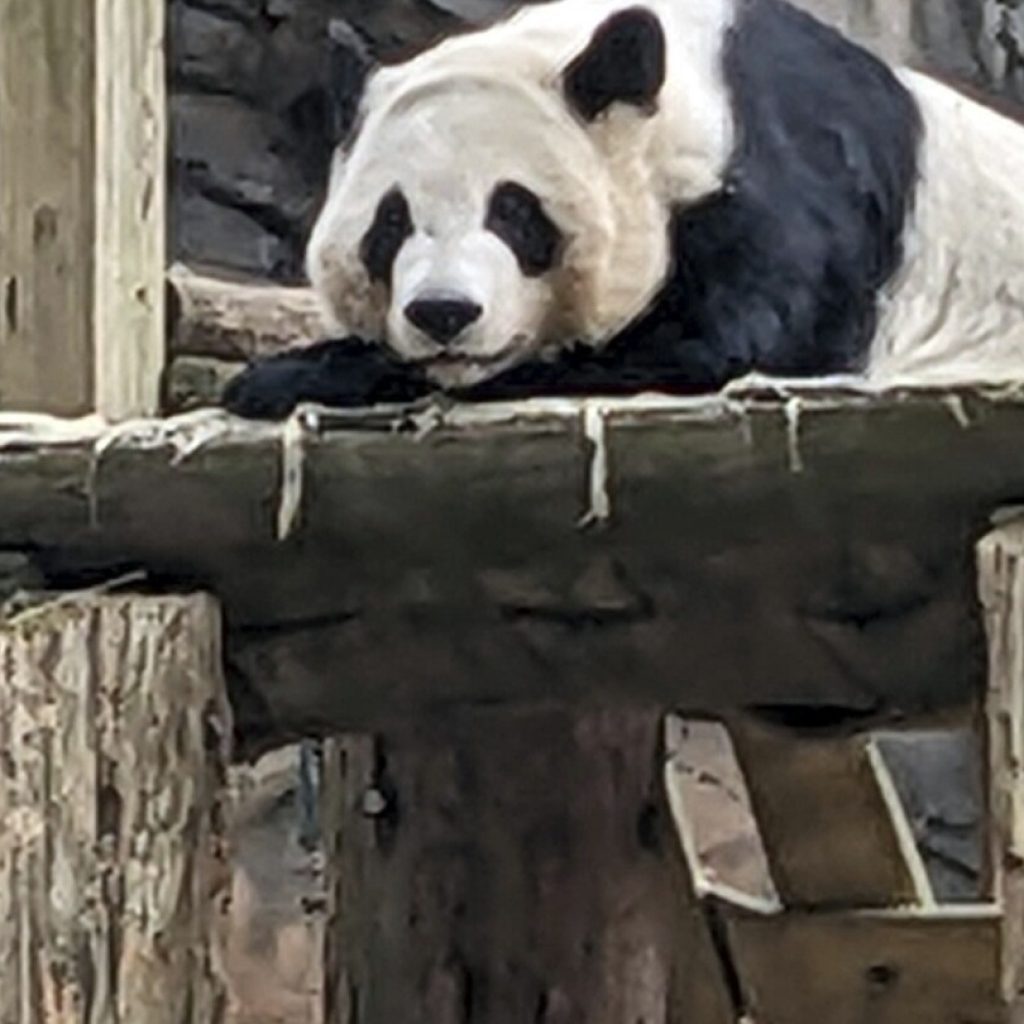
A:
(600, 197)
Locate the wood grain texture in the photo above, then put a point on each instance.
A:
(434, 557)
(129, 324)
(508, 867)
(82, 194)
(833, 837)
(851, 968)
(114, 731)
(237, 319)
(1001, 585)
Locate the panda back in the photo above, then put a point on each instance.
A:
(783, 266)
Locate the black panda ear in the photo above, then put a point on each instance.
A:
(624, 62)
(349, 63)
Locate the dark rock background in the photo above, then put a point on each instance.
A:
(248, 155)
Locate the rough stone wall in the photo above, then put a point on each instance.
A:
(248, 156)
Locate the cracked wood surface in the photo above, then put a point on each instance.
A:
(803, 549)
(114, 729)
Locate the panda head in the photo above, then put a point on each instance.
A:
(498, 195)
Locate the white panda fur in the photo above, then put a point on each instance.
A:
(955, 310)
(490, 104)
(641, 164)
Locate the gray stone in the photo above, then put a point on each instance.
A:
(205, 232)
(939, 779)
(239, 156)
(214, 53)
(241, 10)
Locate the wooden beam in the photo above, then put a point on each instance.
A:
(817, 564)
(114, 729)
(510, 866)
(82, 200)
(710, 803)
(220, 318)
(1001, 586)
(887, 968)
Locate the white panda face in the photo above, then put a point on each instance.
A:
(460, 241)
(469, 283)
(507, 193)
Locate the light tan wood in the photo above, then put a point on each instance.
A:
(129, 321)
(223, 318)
(1001, 587)
(711, 808)
(82, 199)
(855, 968)
(114, 733)
(827, 824)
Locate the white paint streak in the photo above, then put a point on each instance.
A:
(595, 430)
(955, 405)
(293, 447)
(793, 408)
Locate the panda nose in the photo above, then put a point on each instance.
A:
(442, 319)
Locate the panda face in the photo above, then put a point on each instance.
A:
(466, 290)
(460, 240)
(504, 194)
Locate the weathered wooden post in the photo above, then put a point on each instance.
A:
(509, 867)
(114, 737)
(1001, 578)
(82, 198)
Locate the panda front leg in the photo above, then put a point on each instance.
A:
(347, 372)
(351, 373)
(662, 358)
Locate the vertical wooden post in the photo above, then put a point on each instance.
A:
(113, 747)
(1001, 586)
(510, 866)
(82, 200)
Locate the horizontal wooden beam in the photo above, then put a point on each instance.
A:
(890, 968)
(808, 551)
(221, 318)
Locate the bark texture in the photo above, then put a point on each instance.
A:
(499, 868)
(113, 732)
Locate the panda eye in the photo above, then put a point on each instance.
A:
(517, 217)
(394, 215)
(392, 225)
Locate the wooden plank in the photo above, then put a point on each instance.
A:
(711, 808)
(82, 196)
(723, 578)
(129, 323)
(1001, 587)
(114, 729)
(222, 318)
(830, 819)
(849, 968)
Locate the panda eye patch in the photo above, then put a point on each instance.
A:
(392, 225)
(516, 216)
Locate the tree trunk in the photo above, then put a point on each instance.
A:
(113, 739)
(511, 868)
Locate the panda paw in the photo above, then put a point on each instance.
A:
(342, 373)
